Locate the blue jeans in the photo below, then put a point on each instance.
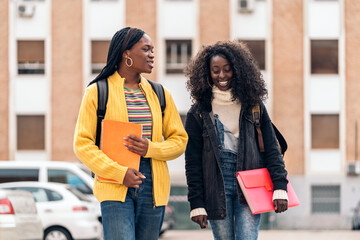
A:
(239, 223)
(137, 217)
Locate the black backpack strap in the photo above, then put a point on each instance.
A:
(159, 90)
(102, 86)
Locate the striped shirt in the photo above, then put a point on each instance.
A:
(138, 110)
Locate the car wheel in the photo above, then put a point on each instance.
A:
(57, 233)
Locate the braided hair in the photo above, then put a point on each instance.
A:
(123, 40)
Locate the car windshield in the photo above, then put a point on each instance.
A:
(68, 177)
(78, 194)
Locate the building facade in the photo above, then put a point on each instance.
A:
(307, 51)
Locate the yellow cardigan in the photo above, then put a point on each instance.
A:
(160, 150)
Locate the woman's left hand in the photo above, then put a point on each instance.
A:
(280, 205)
(138, 145)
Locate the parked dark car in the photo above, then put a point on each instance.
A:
(356, 218)
(169, 220)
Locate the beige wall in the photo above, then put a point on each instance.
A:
(142, 14)
(352, 74)
(67, 82)
(214, 21)
(288, 79)
(4, 80)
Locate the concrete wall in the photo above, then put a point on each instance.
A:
(301, 217)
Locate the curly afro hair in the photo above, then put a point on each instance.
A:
(247, 86)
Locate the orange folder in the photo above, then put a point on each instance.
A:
(112, 143)
(257, 188)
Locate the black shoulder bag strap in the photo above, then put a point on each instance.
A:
(281, 140)
(279, 137)
(159, 90)
(256, 118)
(102, 86)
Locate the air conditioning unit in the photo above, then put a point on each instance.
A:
(26, 10)
(246, 6)
(353, 168)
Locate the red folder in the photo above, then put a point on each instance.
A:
(257, 188)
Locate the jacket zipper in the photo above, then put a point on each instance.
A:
(152, 133)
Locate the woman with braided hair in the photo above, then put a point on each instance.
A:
(134, 206)
(225, 84)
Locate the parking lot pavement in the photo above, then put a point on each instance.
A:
(268, 235)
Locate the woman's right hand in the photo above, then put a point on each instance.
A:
(133, 178)
(201, 220)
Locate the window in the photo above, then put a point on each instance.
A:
(99, 50)
(325, 131)
(31, 132)
(68, 177)
(18, 175)
(78, 194)
(324, 57)
(325, 199)
(246, 6)
(257, 49)
(41, 194)
(38, 193)
(178, 53)
(54, 196)
(31, 57)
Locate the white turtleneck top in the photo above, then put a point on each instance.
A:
(227, 109)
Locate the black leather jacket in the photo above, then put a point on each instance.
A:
(203, 172)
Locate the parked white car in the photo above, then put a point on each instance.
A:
(74, 174)
(65, 212)
(18, 216)
(71, 173)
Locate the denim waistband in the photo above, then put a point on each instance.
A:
(145, 167)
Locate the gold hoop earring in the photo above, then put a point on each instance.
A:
(208, 82)
(131, 61)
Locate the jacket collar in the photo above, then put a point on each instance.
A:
(119, 81)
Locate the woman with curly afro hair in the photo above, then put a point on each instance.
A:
(225, 85)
